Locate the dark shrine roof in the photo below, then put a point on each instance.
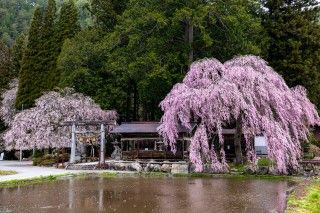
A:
(150, 127)
(140, 127)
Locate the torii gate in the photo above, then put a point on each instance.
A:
(105, 126)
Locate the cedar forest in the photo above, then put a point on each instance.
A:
(127, 55)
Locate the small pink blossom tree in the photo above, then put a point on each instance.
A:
(244, 91)
(39, 126)
(7, 109)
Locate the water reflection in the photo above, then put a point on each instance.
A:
(147, 195)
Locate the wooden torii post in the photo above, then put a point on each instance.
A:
(103, 129)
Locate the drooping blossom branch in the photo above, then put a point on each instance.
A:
(244, 89)
(39, 126)
(7, 109)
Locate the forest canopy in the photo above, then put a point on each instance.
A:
(127, 54)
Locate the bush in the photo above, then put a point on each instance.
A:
(47, 162)
(308, 156)
(36, 161)
(265, 162)
(315, 150)
(306, 147)
(313, 140)
(38, 153)
(50, 160)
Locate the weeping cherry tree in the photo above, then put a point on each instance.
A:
(39, 126)
(7, 109)
(244, 92)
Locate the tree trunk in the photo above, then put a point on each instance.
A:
(189, 39)
(237, 142)
(135, 103)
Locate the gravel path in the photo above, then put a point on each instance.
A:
(25, 170)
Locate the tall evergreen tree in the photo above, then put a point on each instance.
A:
(31, 69)
(17, 53)
(5, 65)
(49, 54)
(67, 26)
(68, 23)
(294, 30)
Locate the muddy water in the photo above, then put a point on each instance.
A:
(137, 194)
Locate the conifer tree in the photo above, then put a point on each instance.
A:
(5, 65)
(30, 73)
(17, 53)
(68, 24)
(49, 52)
(294, 30)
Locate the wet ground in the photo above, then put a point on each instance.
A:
(138, 194)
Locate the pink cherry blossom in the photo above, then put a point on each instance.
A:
(7, 109)
(39, 126)
(245, 89)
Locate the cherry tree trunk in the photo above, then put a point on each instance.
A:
(237, 142)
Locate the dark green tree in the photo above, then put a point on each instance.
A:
(68, 23)
(67, 26)
(105, 12)
(18, 48)
(30, 75)
(155, 41)
(49, 52)
(150, 48)
(5, 66)
(294, 30)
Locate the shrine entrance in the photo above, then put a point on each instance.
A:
(88, 134)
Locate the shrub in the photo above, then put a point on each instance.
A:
(308, 156)
(315, 150)
(313, 140)
(265, 162)
(38, 153)
(47, 162)
(36, 161)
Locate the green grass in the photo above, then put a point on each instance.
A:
(198, 175)
(14, 183)
(265, 162)
(237, 176)
(308, 203)
(108, 174)
(7, 172)
(37, 180)
(238, 167)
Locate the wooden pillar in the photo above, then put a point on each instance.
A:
(73, 144)
(102, 145)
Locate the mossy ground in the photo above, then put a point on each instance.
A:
(199, 175)
(7, 172)
(306, 200)
(22, 182)
(37, 180)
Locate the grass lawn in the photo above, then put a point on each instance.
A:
(305, 200)
(7, 172)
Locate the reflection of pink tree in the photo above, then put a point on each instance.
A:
(243, 91)
(38, 126)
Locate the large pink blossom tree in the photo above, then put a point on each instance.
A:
(39, 126)
(244, 92)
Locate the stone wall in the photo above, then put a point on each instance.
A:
(137, 166)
